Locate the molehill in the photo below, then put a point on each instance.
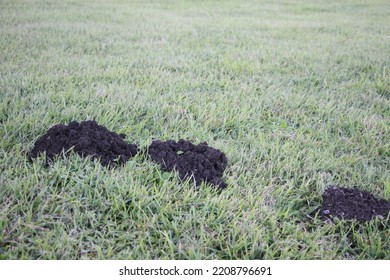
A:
(352, 204)
(199, 162)
(86, 138)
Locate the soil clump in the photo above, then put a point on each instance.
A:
(199, 162)
(86, 138)
(352, 204)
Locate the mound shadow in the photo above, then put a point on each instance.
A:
(199, 162)
(86, 138)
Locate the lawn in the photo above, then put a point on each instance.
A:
(294, 92)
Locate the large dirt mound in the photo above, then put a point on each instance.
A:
(352, 204)
(200, 162)
(87, 138)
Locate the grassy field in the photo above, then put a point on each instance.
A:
(296, 93)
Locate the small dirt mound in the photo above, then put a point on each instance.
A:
(200, 161)
(352, 204)
(87, 138)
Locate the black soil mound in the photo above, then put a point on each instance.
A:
(352, 204)
(87, 138)
(200, 162)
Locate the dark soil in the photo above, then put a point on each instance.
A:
(200, 162)
(87, 138)
(352, 204)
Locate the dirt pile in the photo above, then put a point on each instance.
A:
(350, 204)
(200, 162)
(87, 138)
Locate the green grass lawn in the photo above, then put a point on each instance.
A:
(296, 93)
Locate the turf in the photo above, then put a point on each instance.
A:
(295, 93)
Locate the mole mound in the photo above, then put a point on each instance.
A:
(352, 204)
(87, 138)
(200, 161)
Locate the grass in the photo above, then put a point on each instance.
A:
(296, 93)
